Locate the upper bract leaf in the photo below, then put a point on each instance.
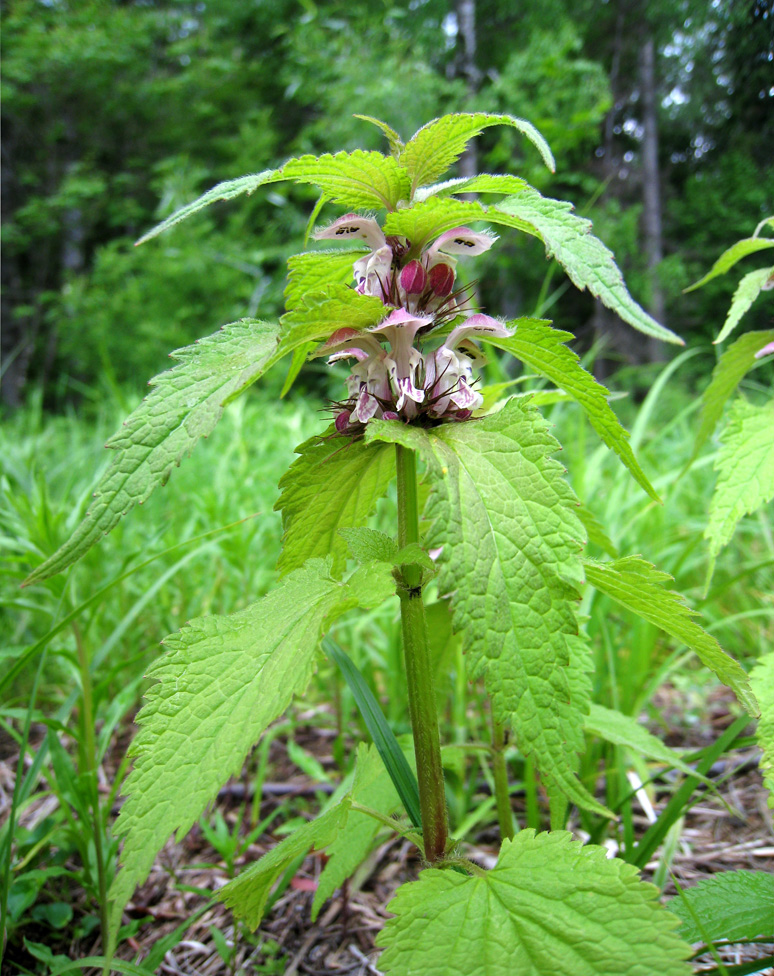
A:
(542, 348)
(358, 179)
(221, 682)
(334, 484)
(503, 515)
(728, 371)
(641, 588)
(483, 183)
(312, 271)
(395, 141)
(732, 906)
(434, 147)
(746, 292)
(585, 258)
(745, 466)
(729, 258)
(321, 313)
(223, 191)
(184, 405)
(549, 906)
(425, 221)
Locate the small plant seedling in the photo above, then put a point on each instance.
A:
(503, 534)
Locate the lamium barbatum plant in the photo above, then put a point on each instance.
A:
(502, 538)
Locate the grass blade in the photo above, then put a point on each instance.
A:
(384, 739)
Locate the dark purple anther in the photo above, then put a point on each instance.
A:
(342, 421)
(413, 278)
(442, 279)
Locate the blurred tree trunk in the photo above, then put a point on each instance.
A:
(651, 187)
(466, 32)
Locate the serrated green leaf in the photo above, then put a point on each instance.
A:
(735, 362)
(369, 544)
(184, 405)
(640, 587)
(438, 144)
(319, 314)
(542, 348)
(549, 906)
(395, 141)
(221, 682)
(311, 271)
(732, 906)
(746, 292)
(623, 730)
(729, 258)
(358, 179)
(762, 682)
(745, 466)
(334, 484)
(503, 515)
(583, 256)
(223, 191)
(248, 893)
(373, 788)
(483, 183)
(425, 221)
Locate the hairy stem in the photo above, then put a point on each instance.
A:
(419, 674)
(504, 812)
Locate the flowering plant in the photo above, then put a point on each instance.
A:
(502, 538)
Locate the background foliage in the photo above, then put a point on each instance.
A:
(115, 114)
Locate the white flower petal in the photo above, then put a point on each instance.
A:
(353, 227)
(463, 240)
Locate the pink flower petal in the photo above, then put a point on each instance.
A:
(463, 240)
(769, 348)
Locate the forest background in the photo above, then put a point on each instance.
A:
(661, 115)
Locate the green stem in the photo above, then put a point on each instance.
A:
(90, 756)
(500, 771)
(419, 673)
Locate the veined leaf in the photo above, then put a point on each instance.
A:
(358, 179)
(319, 314)
(549, 906)
(395, 141)
(368, 545)
(585, 258)
(595, 532)
(735, 362)
(223, 191)
(312, 271)
(623, 730)
(762, 681)
(732, 906)
(745, 466)
(483, 183)
(373, 788)
(746, 292)
(425, 221)
(221, 682)
(434, 147)
(503, 515)
(542, 348)
(729, 257)
(248, 893)
(184, 405)
(335, 483)
(641, 588)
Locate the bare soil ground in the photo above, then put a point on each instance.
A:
(729, 830)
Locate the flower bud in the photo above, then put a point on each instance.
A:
(442, 279)
(342, 421)
(389, 415)
(413, 278)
